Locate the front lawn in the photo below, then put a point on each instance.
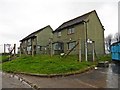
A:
(44, 64)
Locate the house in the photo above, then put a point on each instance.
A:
(115, 50)
(82, 28)
(37, 42)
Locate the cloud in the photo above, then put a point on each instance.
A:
(18, 18)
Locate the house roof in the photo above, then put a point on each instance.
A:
(75, 21)
(32, 35)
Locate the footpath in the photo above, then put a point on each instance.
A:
(76, 80)
(72, 81)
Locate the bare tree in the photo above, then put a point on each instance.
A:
(108, 41)
(117, 37)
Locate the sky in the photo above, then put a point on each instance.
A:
(19, 18)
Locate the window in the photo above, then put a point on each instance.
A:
(39, 48)
(58, 46)
(71, 45)
(29, 48)
(29, 41)
(71, 30)
(59, 34)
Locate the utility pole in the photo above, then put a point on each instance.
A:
(86, 46)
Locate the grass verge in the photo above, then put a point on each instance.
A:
(44, 64)
(106, 57)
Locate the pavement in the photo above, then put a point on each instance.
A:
(108, 77)
(8, 81)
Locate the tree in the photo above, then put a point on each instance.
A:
(108, 41)
(117, 37)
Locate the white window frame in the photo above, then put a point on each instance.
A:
(71, 30)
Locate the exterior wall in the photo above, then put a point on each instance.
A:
(24, 46)
(65, 37)
(43, 39)
(39, 44)
(96, 33)
(28, 46)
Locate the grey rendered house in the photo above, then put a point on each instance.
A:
(37, 42)
(82, 28)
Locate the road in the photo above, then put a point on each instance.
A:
(100, 78)
(11, 82)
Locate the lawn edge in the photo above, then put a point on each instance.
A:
(56, 75)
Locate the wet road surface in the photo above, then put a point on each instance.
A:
(99, 78)
(10, 82)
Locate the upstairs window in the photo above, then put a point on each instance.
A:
(71, 30)
(29, 42)
(59, 34)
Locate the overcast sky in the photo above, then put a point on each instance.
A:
(18, 18)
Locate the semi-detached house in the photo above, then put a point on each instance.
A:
(37, 42)
(83, 28)
(66, 36)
